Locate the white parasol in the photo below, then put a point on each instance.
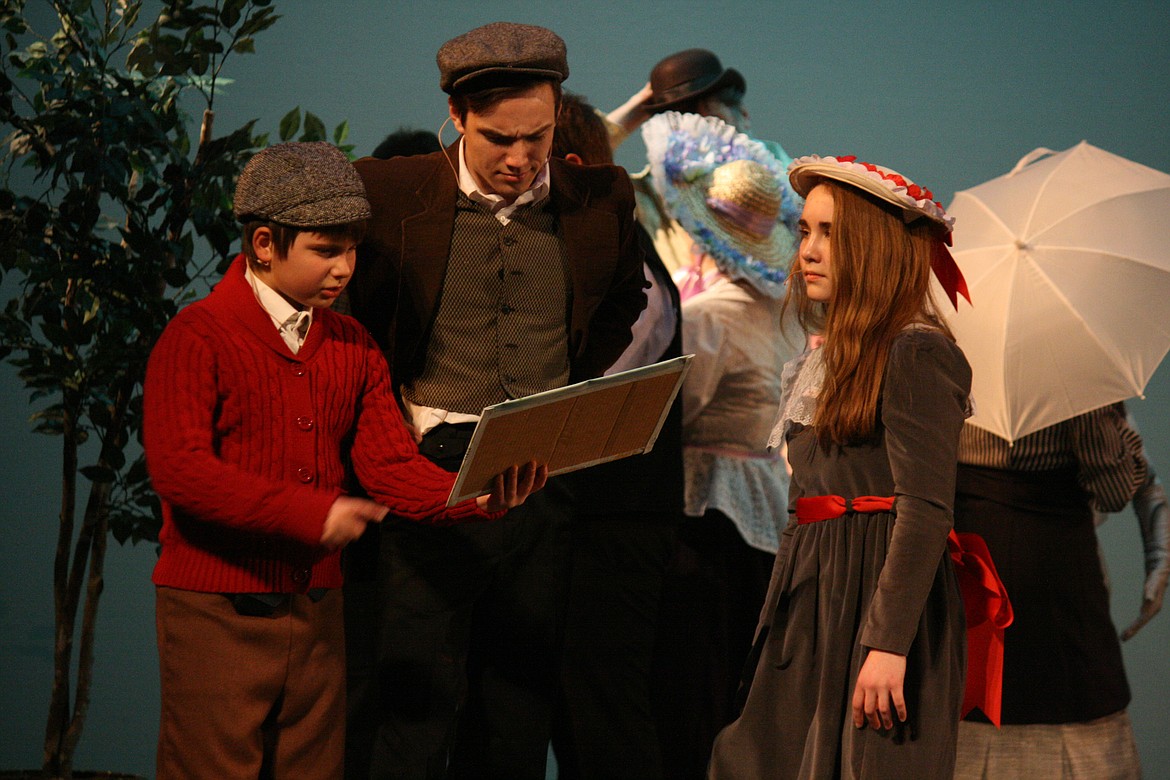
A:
(1067, 258)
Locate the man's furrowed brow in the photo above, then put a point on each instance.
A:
(497, 135)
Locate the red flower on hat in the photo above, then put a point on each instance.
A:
(914, 195)
(912, 189)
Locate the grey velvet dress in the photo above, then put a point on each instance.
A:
(864, 580)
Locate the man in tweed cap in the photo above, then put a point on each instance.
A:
(249, 395)
(490, 272)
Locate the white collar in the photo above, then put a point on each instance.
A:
(279, 309)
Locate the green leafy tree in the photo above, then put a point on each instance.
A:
(112, 215)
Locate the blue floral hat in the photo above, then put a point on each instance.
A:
(729, 192)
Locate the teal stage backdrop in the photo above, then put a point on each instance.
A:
(949, 93)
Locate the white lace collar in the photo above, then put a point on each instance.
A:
(800, 384)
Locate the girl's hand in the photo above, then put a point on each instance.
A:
(879, 690)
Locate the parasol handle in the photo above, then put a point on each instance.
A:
(1030, 158)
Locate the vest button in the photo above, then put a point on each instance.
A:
(300, 576)
(304, 474)
(509, 241)
(305, 423)
(506, 309)
(298, 370)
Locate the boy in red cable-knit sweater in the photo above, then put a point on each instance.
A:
(251, 395)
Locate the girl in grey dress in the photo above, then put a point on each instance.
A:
(860, 651)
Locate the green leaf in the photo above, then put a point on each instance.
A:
(220, 237)
(130, 13)
(175, 277)
(100, 413)
(341, 132)
(137, 471)
(290, 124)
(200, 62)
(314, 128)
(117, 458)
(97, 473)
(56, 335)
(120, 528)
(262, 20)
(230, 15)
(17, 25)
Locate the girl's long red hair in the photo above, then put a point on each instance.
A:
(880, 269)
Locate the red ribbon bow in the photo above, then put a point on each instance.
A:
(989, 612)
(985, 600)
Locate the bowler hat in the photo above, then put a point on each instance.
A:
(689, 74)
(501, 47)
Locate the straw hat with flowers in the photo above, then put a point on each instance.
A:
(729, 193)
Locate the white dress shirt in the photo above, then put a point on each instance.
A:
(292, 323)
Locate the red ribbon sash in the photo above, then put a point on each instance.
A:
(985, 600)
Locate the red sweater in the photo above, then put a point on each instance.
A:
(244, 444)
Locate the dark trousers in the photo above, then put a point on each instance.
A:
(712, 596)
(363, 617)
(606, 727)
(461, 676)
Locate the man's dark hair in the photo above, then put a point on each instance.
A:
(581, 131)
(489, 90)
(405, 142)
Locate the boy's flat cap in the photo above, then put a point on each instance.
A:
(501, 47)
(304, 185)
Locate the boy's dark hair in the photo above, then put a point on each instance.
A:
(493, 88)
(581, 131)
(405, 142)
(283, 236)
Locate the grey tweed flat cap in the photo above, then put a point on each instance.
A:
(501, 47)
(304, 184)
